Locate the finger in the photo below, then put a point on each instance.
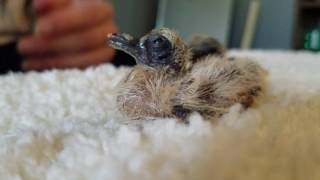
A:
(71, 43)
(73, 18)
(43, 6)
(83, 60)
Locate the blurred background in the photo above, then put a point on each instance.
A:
(258, 24)
(238, 24)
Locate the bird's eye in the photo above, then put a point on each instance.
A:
(158, 41)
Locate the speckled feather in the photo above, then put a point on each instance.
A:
(210, 86)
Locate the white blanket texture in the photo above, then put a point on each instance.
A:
(64, 125)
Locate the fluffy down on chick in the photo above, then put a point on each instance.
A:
(170, 81)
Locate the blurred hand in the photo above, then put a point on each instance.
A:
(69, 33)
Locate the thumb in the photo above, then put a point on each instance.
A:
(43, 6)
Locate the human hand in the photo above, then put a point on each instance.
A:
(68, 33)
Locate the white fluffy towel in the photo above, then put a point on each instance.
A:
(63, 125)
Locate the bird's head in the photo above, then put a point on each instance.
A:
(160, 49)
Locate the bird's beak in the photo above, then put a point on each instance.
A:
(124, 42)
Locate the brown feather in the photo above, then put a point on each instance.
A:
(210, 86)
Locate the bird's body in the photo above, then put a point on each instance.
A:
(146, 93)
(179, 85)
(214, 84)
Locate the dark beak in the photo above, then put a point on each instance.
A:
(124, 42)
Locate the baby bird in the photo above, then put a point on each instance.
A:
(169, 81)
(162, 60)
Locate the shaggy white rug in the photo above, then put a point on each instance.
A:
(64, 125)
